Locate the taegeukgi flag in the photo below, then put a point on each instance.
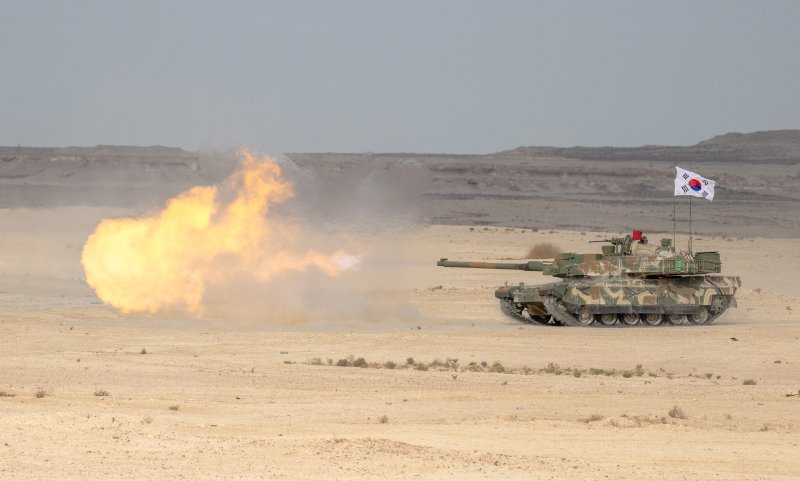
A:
(689, 183)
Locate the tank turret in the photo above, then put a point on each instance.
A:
(629, 282)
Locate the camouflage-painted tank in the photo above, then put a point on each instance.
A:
(626, 284)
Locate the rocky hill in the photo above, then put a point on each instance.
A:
(608, 188)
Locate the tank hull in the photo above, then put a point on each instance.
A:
(607, 301)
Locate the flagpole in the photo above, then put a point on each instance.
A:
(674, 215)
(690, 224)
(674, 210)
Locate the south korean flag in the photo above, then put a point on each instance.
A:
(689, 183)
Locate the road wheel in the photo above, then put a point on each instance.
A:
(653, 319)
(585, 317)
(700, 317)
(631, 319)
(608, 319)
(677, 319)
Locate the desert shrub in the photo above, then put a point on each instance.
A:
(552, 368)
(410, 361)
(317, 361)
(360, 362)
(638, 370)
(389, 365)
(594, 371)
(383, 419)
(174, 407)
(100, 392)
(749, 382)
(143, 351)
(543, 250)
(592, 418)
(421, 366)
(342, 363)
(436, 363)
(147, 419)
(497, 367)
(677, 413)
(474, 367)
(7, 394)
(40, 393)
(576, 373)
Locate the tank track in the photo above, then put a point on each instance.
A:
(509, 309)
(563, 317)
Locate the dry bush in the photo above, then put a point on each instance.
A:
(40, 393)
(101, 392)
(543, 250)
(677, 413)
(174, 407)
(474, 367)
(749, 382)
(592, 418)
(552, 368)
(497, 367)
(389, 365)
(7, 394)
(383, 419)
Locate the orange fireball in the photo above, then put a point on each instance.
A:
(166, 260)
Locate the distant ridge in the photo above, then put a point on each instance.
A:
(780, 146)
(760, 137)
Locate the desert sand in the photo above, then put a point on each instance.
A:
(88, 392)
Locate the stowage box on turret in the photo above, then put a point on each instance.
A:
(626, 284)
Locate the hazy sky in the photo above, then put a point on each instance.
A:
(433, 76)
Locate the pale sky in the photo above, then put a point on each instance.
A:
(413, 76)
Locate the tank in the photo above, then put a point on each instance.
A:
(630, 282)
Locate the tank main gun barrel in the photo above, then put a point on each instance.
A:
(526, 266)
(613, 240)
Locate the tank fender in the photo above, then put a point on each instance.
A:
(528, 296)
(508, 292)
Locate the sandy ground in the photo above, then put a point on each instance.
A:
(135, 397)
